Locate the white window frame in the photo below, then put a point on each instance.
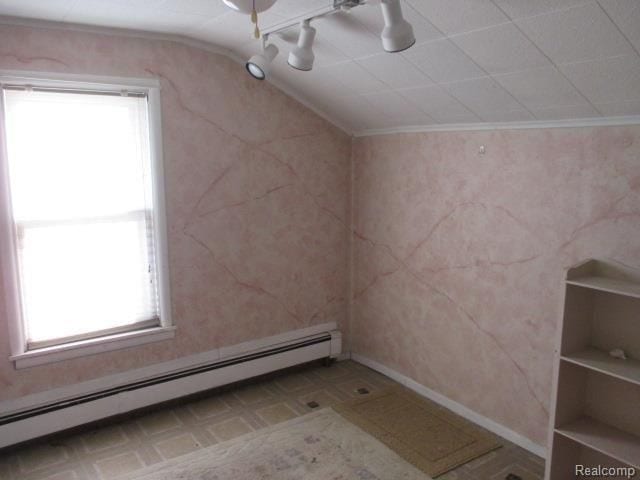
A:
(20, 355)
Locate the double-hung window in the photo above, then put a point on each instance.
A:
(83, 217)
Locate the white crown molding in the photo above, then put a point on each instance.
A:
(537, 124)
(180, 39)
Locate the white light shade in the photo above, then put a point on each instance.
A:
(246, 6)
(258, 65)
(302, 57)
(397, 34)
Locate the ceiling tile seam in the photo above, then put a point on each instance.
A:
(417, 12)
(486, 75)
(548, 12)
(72, 5)
(391, 88)
(454, 99)
(618, 28)
(548, 58)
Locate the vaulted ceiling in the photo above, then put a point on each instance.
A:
(475, 61)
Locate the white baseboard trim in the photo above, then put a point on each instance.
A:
(454, 406)
(110, 381)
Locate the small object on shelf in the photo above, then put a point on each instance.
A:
(618, 353)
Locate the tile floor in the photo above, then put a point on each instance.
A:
(101, 453)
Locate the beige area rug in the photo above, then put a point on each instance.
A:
(429, 436)
(319, 446)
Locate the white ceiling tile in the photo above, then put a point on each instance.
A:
(370, 16)
(379, 123)
(357, 111)
(355, 78)
(483, 95)
(520, 115)
(418, 121)
(295, 8)
(528, 8)
(626, 14)
(615, 109)
(577, 34)
(117, 14)
(51, 9)
(501, 49)
(540, 88)
(443, 61)
(393, 105)
(348, 35)
(566, 112)
(615, 79)
(225, 31)
(457, 16)
(438, 104)
(394, 70)
(195, 7)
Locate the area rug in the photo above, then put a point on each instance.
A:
(428, 436)
(322, 445)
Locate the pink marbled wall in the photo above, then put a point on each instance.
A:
(257, 199)
(460, 257)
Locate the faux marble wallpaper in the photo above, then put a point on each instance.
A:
(460, 256)
(257, 199)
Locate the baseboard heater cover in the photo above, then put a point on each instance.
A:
(42, 420)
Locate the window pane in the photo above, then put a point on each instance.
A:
(83, 278)
(74, 155)
(80, 180)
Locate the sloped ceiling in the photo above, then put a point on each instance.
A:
(475, 61)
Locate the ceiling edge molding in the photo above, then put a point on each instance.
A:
(169, 37)
(537, 124)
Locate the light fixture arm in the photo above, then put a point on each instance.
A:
(337, 6)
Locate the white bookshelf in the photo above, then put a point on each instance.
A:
(595, 416)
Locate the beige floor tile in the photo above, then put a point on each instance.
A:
(68, 475)
(252, 394)
(516, 470)
(159, 422)
(322, 397)
(277, 413)
(351, 386)
(104, 438)
(294, 382)
(332, 373)
(209, 407)
(41, 456)
(176, 446)
(119, 465)
(232, 428)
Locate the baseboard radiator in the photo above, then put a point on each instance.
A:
(30, 423)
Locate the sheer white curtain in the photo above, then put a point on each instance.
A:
(79, 168)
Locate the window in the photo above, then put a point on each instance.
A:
(82, 195)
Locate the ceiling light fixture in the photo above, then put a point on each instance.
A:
(258, 65)
(397, 34)
(302, 57)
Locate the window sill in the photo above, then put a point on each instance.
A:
(92, 346)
